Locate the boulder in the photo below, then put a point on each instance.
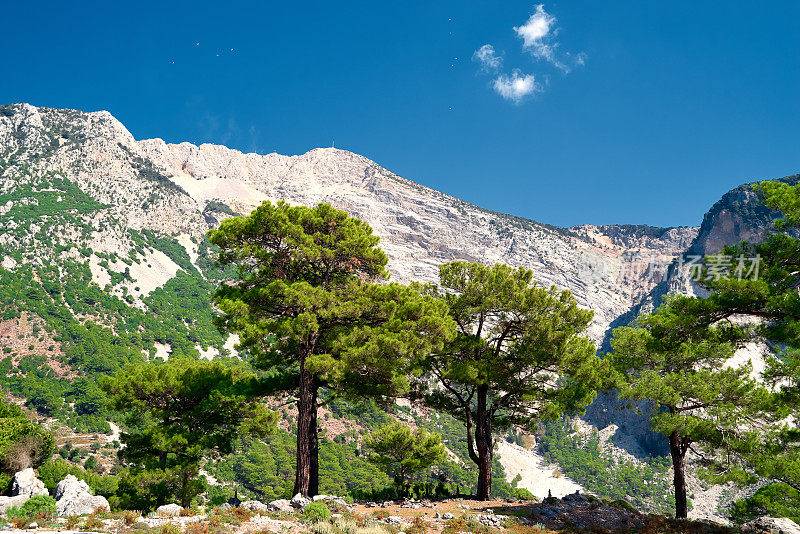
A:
(325, 498)
(281, 505)
(73, 497)
(298, 501)
(255, 506)
(26, 483)
(8, 502)
(169, 510)
(772, 525)
(575, 497)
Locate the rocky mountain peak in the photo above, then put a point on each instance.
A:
(181, 190)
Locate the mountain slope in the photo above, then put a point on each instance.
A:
(179, 191)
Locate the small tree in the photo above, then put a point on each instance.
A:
(23, 443)
(401, 452)
(310, 306)
(677, 361)
(179, 413)
(519, 355)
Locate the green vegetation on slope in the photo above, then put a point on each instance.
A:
(645, 484)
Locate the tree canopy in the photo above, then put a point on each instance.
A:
(400, 451)
(519, 355)
(311, 305)
(679, 363)
(179, 413)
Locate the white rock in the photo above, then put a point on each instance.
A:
(298, 501)
(255, 506)
(169, 510)
(8, 502)
(73, 497)
(773, 525)
(26, 483)
(281, 505)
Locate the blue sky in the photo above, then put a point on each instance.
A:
(584, 112)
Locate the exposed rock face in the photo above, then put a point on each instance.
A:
(24, 486)
(182, 190)
(421, 228)
(299, 502)
(73, 497)
(256, 506)
(281, 505)
(25, 483)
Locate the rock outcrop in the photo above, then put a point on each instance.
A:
(73, 497)
(25, 483)
(24, 486)
(771, 525)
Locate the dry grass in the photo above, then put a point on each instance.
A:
(129, 517)
(93, 522)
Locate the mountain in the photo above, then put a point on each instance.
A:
(110, 230)
(104, 259)
(180, 191)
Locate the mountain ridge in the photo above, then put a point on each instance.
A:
(181, 190)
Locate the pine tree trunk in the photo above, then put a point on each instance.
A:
(484, 444)
(307, 474)
(677, 449)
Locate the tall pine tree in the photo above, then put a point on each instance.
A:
(520, 355)
(677, 361)
(311, 305)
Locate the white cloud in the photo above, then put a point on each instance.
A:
(488, 58)
(536, 35)
(515, 87)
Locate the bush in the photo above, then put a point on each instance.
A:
(23, 443)
(37, 507)
(316, 511)
(524, 495)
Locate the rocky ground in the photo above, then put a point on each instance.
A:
(574, 513)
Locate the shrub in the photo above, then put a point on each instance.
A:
(23, 443)
(316, 511)
(38, 506)
(5, 483)
(93, 522)
(130, 517)
(524, 495)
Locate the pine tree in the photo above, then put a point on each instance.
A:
(676, 361)
(179, 413)
(311, 305)
(767, 293)
(401, 452)
(519, 355)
